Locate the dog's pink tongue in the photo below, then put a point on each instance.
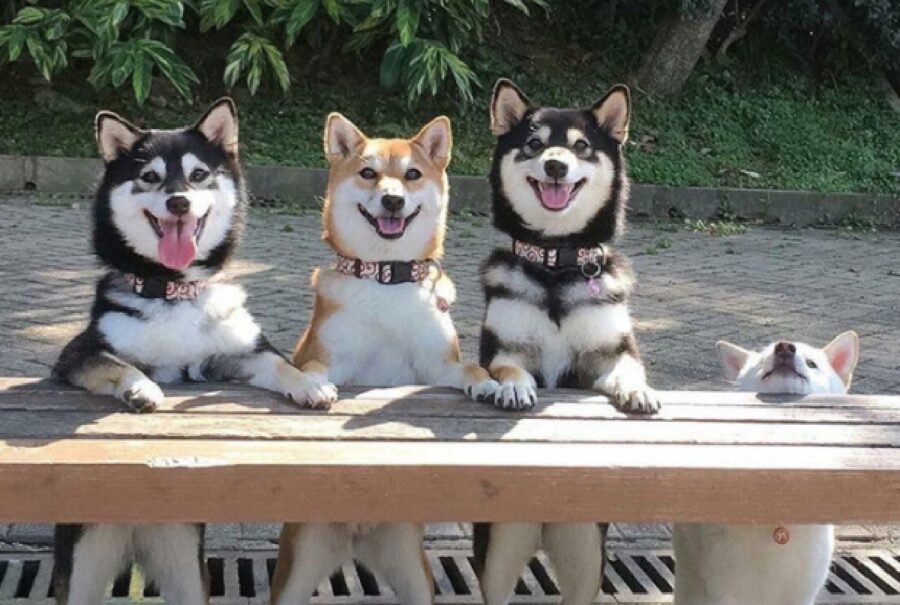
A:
(177, 247)
(555, 197)
(390, 225)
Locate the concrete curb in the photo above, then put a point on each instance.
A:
(305, 185)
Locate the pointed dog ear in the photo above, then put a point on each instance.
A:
(436, 139)
(732, 357)
(341, 137)
(220, 125)
(613, 112)
(114, 135)
(843, 355)
(508, 106)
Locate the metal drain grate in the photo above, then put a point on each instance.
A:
(632, 576)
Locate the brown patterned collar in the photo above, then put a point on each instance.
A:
(588, 260)
(387, 272)
(158, 287)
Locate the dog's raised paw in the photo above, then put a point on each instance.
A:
(312, 391)
(142, 396)
(515, 396)
(483, 391)
(643, 401)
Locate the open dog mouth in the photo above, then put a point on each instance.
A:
(555, 195)
(178, 238)
(389, 227)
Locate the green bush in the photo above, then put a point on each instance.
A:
(422, 42)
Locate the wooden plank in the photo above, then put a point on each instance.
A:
(314, 427)
(185, 395)
(451, 406)
(223, 481)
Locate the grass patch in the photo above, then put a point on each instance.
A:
(661, 244)
(715, 228)
(755, 123)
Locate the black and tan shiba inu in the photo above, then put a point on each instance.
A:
(557, 301)
(380, 319)
(167, 218)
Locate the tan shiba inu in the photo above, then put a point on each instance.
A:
(380, 319)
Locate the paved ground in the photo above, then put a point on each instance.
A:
(694, 290)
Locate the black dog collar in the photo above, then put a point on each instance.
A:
(588, 260)
(158, 287)
(387, 272)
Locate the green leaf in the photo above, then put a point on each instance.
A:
(171, 66)
(392, 65)
(255, 10)
(232, 73)
(118, 14)
(124, 65)
(333, 8)
(296, 15)
(30, 15)
(141, 79)
(407, 21)
(16, 45)
(519, 4)
(278, 66)
(254, 76)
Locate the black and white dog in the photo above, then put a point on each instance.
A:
(167, 218)
(557, 301)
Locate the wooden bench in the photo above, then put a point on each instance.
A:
(222, 452)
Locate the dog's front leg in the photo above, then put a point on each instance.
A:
(470, 378)
(518, 388)
(308, 388)
(625, 381)
(102, 373)
(267, 369)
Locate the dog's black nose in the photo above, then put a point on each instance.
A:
(392, 203)
(556, 169)
(785, 349)
(178, 205)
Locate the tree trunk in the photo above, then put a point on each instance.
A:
(675, 51)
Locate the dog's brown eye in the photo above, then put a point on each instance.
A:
(581, 145)
(413, 175)
(534, 144)
(367, 173)
(198, 175)
(150, 177)
(811, 364)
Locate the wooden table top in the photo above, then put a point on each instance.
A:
(224, 452)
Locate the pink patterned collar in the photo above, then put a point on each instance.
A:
(387, 272)
(157, 287)
(589, 260)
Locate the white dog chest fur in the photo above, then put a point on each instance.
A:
(523, 325)
(179, 334)
(383, 334)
